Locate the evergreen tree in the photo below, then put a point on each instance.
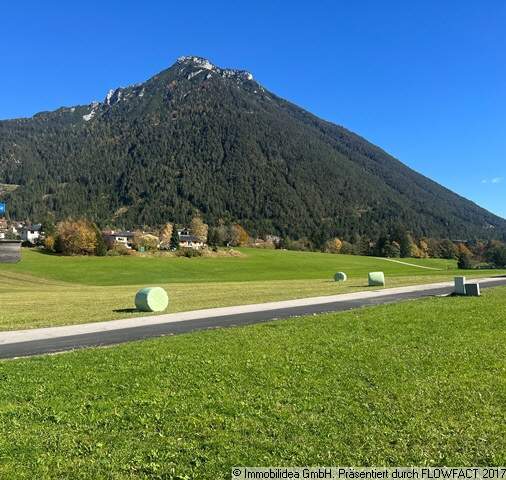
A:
(101, 247)
(174, 239)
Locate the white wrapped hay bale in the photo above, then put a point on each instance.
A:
(460, 285)
(151, 299)
(340, 277)
(376, 279)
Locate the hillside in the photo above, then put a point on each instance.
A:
(196, 137)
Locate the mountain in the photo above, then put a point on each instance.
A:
(199, 138)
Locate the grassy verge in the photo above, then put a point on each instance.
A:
(47, 290)
(417, 383)
(30, 302)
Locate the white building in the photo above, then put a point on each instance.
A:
(187, 240)
(118, 238)
(31, 233)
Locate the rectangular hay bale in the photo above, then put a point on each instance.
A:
(460, 285)
(473, 289)
(376, 279)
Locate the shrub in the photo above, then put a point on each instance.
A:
(118, 250)
(303, 244)
(189, 252)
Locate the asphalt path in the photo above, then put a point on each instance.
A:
(122, 335)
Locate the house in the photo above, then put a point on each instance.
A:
(118, 238)
(32, 233)
(187, 240)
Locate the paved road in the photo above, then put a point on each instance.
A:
(42, 341)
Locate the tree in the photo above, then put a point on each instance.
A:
(174, 239)
(48, 224)
(464, 261)
(145, 241)
(497, 255)
(380, 249)
(101, 247)
(401, 236)
(364, 247)
(166, 234)
(423, 245)
(333, 245)
(462, 248)
(199, 229)
(392, 250)
(76, 237)
(348, 248)
(448, 249)
(238, 236)
(415, 251)
(49, 242)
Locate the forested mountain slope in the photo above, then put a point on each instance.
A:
(196, 137)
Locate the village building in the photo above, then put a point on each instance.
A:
(32, 233)
(187, 240)
(125, 238)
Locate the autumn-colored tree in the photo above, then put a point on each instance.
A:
(166, 234)
(479, 249)
(76, 237)
(423, 245)
(333, 245)
(238, 235)
(463, 250)
(145, 241)
(199, 229)
(49, 242)
(416, 251)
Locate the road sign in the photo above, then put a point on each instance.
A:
(2, 208)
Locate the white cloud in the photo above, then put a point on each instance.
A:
(493, 180)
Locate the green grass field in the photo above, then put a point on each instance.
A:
(48, 290)
(253, 265)
(416, 383)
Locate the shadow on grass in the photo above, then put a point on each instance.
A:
(126, 310)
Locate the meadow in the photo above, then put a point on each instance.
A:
(416, 383)
(50, 290)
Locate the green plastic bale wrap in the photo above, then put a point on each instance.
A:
(340, 277)
(376, 279)
(151, 299)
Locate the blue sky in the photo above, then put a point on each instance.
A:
(425, 80)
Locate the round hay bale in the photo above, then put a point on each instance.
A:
(151, 299)
(340, 277)
(376, 279)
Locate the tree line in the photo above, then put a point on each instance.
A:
(83, 237)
